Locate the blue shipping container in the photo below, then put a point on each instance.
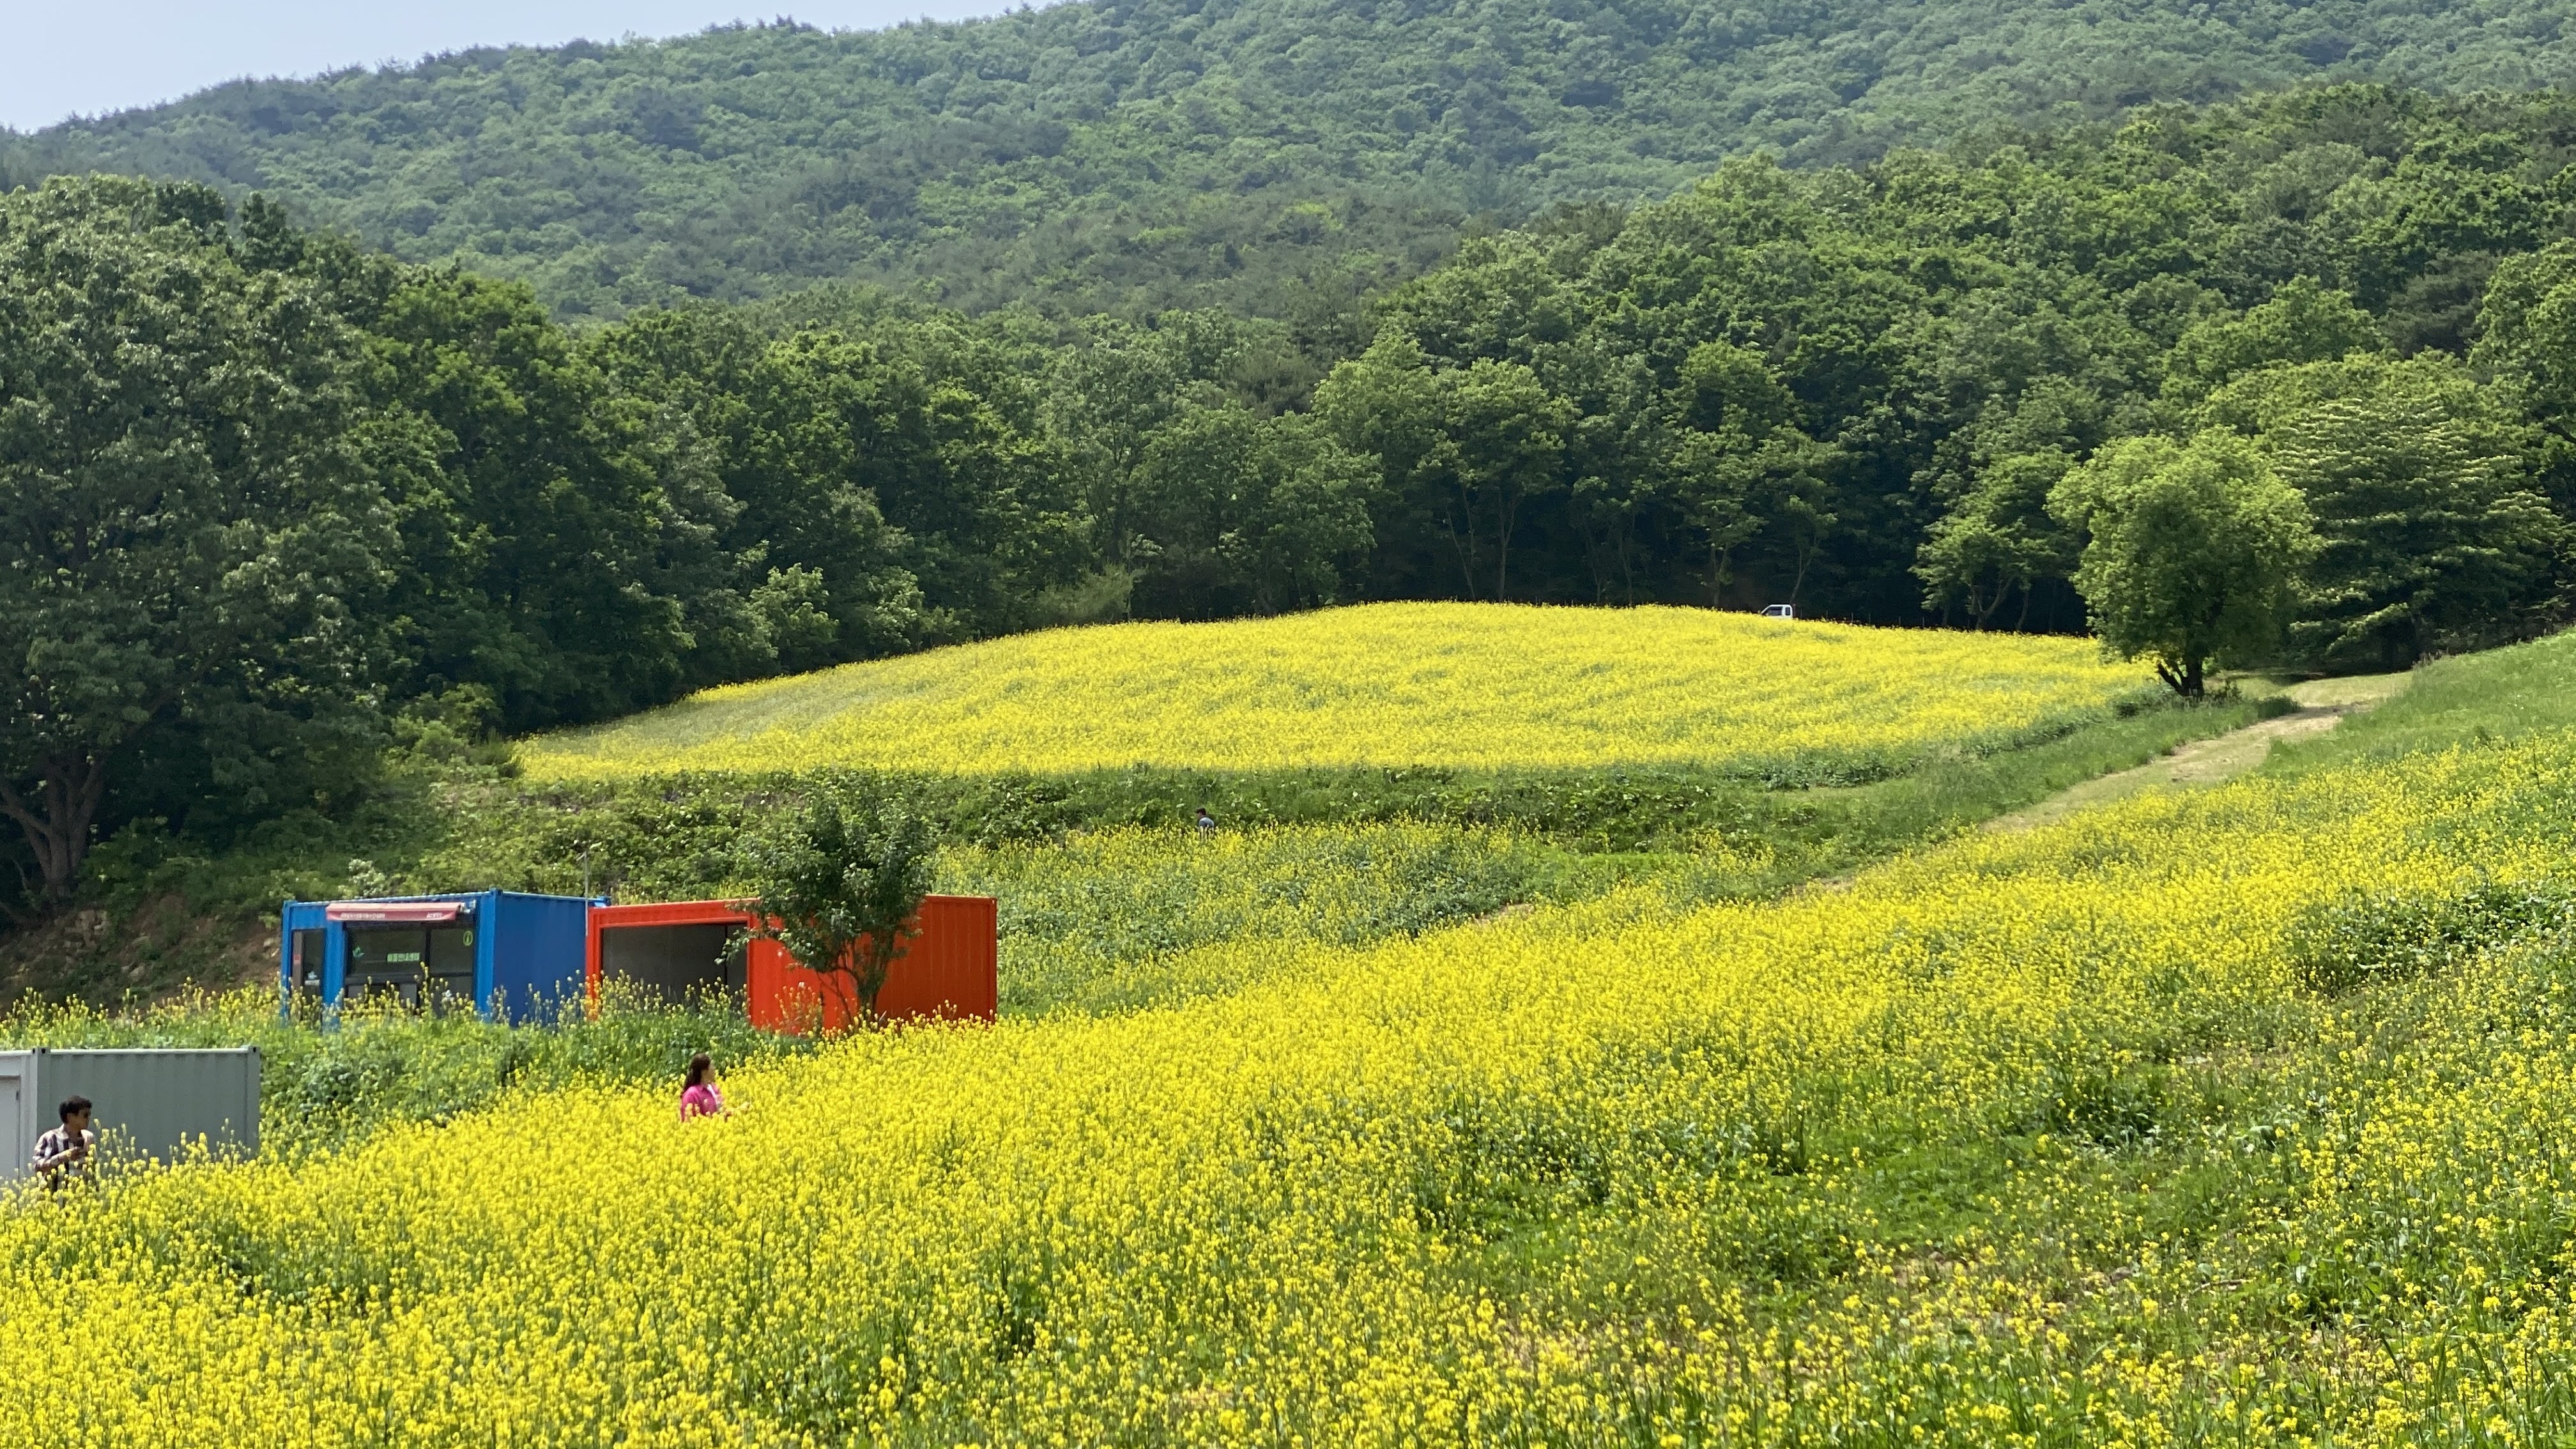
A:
(513, 956)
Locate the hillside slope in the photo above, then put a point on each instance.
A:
(1444, 685)
(2225, 1117)
(1248, 151)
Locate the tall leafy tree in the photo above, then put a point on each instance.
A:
(840, 886)
(1113, 386)
(532, 520)
(1503, 447)
(2429, 535)
(1465, 451)
(1383, 405)
(2527, 342)
(2302, 322)
(1740, 465)
(679, 386)
(2192, 555)
(1999, 539)
(188, 530)
(1247, 514)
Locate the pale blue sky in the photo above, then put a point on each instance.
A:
(66, 57)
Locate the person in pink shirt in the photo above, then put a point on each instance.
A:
(700, 1097)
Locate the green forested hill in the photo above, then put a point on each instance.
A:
(1267, 154)
(1925, 388)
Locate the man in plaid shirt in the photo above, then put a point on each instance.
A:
(64, 1153)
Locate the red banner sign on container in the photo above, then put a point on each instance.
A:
(401, 912)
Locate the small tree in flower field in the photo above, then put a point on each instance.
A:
(840, 885)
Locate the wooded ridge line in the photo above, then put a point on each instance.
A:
(1271, 156)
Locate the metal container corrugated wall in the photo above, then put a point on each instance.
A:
(952, 969)
(19, 1124)
(146, 1102)
(538, 946)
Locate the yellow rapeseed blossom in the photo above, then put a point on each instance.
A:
(1470, 685)
(1275, 1215)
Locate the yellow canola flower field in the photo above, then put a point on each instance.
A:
(1463, 685)
(1272, 1217)
(1116, 918)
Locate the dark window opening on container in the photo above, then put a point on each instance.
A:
(410, 964)
(305, 972)
(672, 963)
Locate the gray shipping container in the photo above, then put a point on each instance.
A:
(145, 1102)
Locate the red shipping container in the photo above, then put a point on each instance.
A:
(950, 968)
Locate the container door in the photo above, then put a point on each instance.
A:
(304, 971)
(16, 1141)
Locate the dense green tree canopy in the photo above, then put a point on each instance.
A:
(1273, 154)
(188, 534)
(1248, 515)
(1938, 338)
(2430, 531)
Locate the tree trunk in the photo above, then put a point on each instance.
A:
(56, 818)
(1986, 611)
(1593, 554)
(845, 986)
(870, 965)
(1466, 543)
(872, 981)
(2187, 681)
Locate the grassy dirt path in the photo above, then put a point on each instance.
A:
(2322, 704)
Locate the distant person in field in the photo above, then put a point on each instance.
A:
(700, 1097)
(1207, 823)
(68, 1152)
